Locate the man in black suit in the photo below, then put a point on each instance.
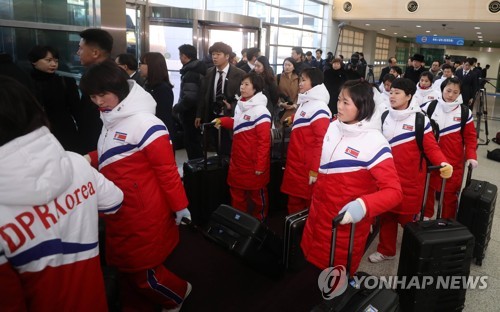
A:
(252, 55)
(219, 102)
(128, 62)
(413, 72)
(390, 62)
(469, 79)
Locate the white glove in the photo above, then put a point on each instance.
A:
(473, 162)
(184, 213)
(87, 157)
(217, 123)
(354, 212)
(313, 176)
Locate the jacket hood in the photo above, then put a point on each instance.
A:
(137, 101)
(35, 169)
(194, 66)
(413, 108)
(259, 99)
(449, 106)
(318, 93)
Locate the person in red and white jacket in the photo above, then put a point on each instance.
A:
(458, 146)
(49, 253)
(250, 155)
(400, 130)
(304, 150)
(356, 176)
(425, 92)
(135, 152)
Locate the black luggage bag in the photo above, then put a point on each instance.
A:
(356, 298)
(476, 210)
(434, 249)
(246, 236)
(205, 183)
(277, 199)
(293, 257)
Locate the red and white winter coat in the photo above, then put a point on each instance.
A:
(425, 95)
(456, 150)
(399, 129)
(356, 163)
(310, 123)
(49, 253)
(134, 151)
(251, 143)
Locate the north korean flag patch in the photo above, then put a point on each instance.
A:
(407, 127)
(352, 152)
(246, 117)
(302, 113)
(120, 136)
(457, 118)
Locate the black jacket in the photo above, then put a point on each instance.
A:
(190, 94)
(60, 99)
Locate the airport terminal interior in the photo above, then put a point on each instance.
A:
(380, 30)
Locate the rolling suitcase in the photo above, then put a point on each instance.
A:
(434, 249)
(293, 257)
(205, 183)
(277, 200)
(247, 237)
(356, 298)
(476, 210)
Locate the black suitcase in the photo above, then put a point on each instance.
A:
(277, 199)
(438, 249)
(477, 207)
(356, 298)
(205, 183)
(246, 236)
(293, 257)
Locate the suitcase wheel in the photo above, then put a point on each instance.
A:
(479, 261)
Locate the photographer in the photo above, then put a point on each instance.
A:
(354, 68)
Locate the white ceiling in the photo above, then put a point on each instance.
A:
(398, 28)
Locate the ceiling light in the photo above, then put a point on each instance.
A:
(427, 31)
(418, 26)
(383, 29)
(477, 27)
(367, 24)
(480, 37)
(479, 33)
(491, 41)
(407, 37)
(395, 33)
(435, 35)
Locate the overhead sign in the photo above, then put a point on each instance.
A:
(445, 40)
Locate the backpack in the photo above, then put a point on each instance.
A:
(494, 154)
(419, 133)
(464, 113)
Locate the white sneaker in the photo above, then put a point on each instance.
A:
(378, 257)
(178, 308)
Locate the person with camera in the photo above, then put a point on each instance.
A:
(354, 68)
(220, 85)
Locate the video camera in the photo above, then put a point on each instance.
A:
(219, 106)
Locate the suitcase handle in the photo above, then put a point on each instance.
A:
(426, 192)
(335, 224)
(469, 175)
(205, 145)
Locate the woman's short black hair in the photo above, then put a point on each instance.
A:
(105, 77)
(20, 113)
(361, 93)
(256, 80)
(39, 52)
(315, 74)
(427, 74)
(451, 80)
(405, 84)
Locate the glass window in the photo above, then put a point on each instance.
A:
(312, 40)
(290, 37)
(259, 10)
(313, 8)
(65, 12)
(275, 13)
(295, 5)
(288, 18)
(231, 6)
(312, 23)
(190, 4)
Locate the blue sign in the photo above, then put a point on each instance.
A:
(445, 40)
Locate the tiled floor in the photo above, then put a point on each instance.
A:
(477, 300)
